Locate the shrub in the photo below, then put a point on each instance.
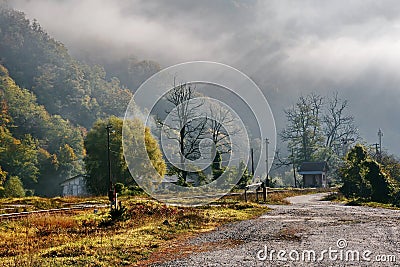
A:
(119, 188)
(13, 187)
(134, 190)
(365, 178)
(118, 213)
(29, 193)
(396, 199)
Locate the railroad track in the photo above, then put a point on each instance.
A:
(19, 215)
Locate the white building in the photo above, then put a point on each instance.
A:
(75, 186)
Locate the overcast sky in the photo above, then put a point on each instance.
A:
(288, 47)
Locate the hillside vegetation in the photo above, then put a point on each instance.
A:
(49, 101)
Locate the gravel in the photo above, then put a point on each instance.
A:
(354, 236)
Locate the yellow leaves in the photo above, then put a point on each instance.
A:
(16, 141)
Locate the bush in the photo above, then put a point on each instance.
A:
(118, 213)
(134, 190)
(365, 178)
(29, 192)
(13, 187)
(396, 199)
(119, 188)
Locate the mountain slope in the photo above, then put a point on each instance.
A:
(65, 86)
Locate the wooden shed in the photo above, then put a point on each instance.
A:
(75, 186)
(314, 174)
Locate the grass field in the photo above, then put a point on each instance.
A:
(85, 238)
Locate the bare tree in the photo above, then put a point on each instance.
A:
(338, 127)
(187, 126)
(221, 126)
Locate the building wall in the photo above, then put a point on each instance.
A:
(314, 180)
(75, 187)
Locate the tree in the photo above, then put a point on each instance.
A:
(96, 160)
(14, 188)
(303, 129)
(319, 129)
(338, 127)
(354, 183)
(65, 86)
(186, 127)
(221, 126)
(3, 176)
(364, 177)
(67, 161)
(33, 140)
(391, 164)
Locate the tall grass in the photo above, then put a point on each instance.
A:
(80, 238)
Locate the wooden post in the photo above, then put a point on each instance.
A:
(264, 192)
(245, 195)
(257, 194)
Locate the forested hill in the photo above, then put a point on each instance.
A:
(76, 91)
(38, 148)
(48, 101)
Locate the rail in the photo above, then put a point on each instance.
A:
(19, 215)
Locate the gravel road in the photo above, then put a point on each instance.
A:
(309, 232)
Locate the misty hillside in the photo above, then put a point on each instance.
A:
(39, 148)
(49, 100)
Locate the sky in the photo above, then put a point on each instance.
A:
(289, 48)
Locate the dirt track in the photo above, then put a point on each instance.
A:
(338, 235)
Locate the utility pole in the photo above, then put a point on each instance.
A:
(266, 162)
(380, 134)
(111, 193)
(376, 151)
(294, 170)
(252, 162)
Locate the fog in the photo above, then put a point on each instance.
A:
(288, 47)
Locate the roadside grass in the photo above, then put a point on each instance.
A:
(338, 197)
(82, 239)
(150, 231)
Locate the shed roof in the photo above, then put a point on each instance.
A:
(72, 178)
(321, 166)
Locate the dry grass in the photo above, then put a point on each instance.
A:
(81, 239)
(151, 232)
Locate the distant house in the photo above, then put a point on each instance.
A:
(314, 174)
(75, 186)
